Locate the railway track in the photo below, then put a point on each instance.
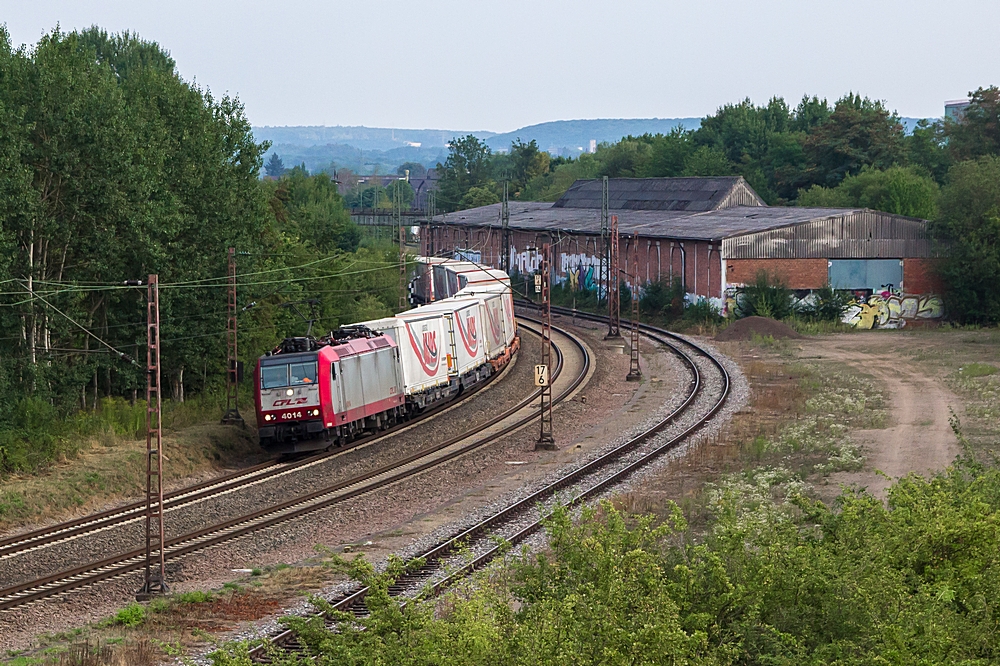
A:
(442, 565)
(19, 544)
(124, 563)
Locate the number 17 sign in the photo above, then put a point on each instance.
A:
(541, 375)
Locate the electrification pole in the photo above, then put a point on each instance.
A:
(546, 441)
(232, 414)
(505, 232)
(634, 373)
(155, 579)
(602, 276)
(614, 311)
(397, 210)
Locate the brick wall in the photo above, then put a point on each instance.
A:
(919, 277)
(797, 273)
(657, 259)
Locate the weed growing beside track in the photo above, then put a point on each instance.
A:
(774, 581)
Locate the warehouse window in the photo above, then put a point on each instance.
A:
(873, 274)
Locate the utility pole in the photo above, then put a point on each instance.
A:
(232, 414)
(602, 275)
(546, 441)
(155, 579)
(614, 311)
(505, 232)
(634, 373)
(398, 211)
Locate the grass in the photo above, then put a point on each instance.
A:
(973, 370)
(795, 430)
(146, 634)
(109, 466)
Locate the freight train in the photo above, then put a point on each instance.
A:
(315, 393)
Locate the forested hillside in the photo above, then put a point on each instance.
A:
(113, 167)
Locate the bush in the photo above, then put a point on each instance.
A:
(702, 313)
(766, 297)
(662, 298)
(131, 616)
(826, 304)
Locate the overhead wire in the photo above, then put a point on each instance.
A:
(120, 353)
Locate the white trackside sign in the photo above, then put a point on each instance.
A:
(541, 375)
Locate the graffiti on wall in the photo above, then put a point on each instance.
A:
(580, 271)
(576, 271)
(889, 308)
(474, 256)
(525, 262)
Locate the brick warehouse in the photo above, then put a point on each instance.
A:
(714, 235)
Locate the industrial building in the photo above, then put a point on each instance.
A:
(712, 234)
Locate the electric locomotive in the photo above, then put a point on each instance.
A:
(315, 393)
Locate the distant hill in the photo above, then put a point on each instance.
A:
(571, 137)
(385, 148)
(342, 156)
(365, 138)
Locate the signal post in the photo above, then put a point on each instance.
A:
(546, 440)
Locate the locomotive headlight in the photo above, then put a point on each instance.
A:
(290, 392)
(315, 412)
(267, 417)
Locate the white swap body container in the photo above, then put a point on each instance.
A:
(464, 330)
(494, 327)
(422, 343)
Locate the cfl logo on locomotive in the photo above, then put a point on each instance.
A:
(290, 402)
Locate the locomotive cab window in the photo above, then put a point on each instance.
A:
(302, 373)
(273, 376)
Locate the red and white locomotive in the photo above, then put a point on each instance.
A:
(313, 393)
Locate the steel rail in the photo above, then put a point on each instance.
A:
(433, 559)
(19, 544)
(112, 567)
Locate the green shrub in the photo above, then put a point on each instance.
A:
(702, 313)
(766, 297)
(826, 304)
(194, 597)
(131, 616)
(662, 298)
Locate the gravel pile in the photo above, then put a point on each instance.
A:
(746, 328)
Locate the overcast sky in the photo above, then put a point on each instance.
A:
(477, 65)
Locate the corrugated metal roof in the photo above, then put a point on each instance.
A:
(681, 225)
(683, 194)
(745, 231)
(849, 234)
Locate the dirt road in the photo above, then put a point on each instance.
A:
(919, 438)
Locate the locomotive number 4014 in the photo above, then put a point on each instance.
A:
(292, 415)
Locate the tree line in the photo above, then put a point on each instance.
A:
(113, 167)
(853, 153)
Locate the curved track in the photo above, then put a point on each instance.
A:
(513, 419)
(525, 517)
(19, 544)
